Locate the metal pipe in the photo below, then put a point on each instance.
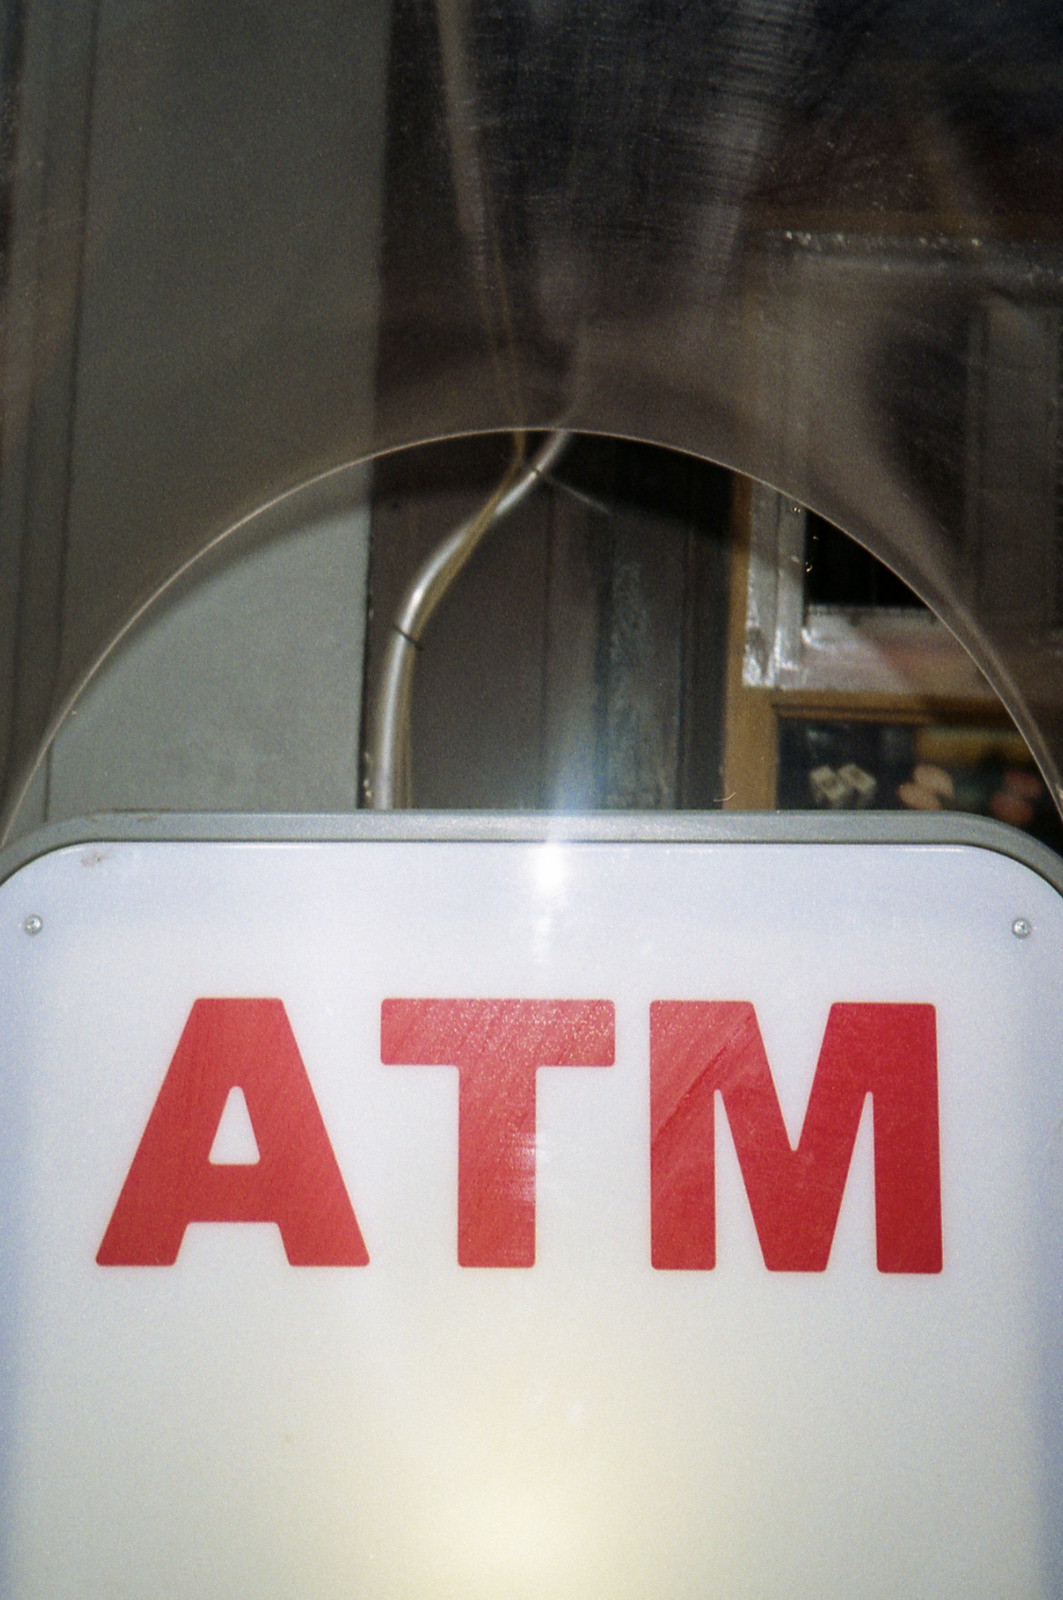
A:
(388, 759)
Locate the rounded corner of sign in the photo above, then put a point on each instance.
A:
(985, 833)
(51, 839)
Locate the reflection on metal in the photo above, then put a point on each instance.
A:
(776, 598)
(388, 776)
(790, 645)
(886, 652)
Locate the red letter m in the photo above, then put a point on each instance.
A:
(888, 1051)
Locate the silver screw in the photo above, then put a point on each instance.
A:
(33, 923)
(1022, 927)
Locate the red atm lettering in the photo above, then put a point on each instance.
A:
(888, 1051)
(497, 1046)
(295, 1182)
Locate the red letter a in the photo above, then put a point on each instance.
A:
(295, 1182)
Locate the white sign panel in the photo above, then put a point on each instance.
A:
(483, 1219)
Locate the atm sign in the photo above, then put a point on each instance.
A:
(698, 1050)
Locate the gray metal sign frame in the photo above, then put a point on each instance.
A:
(862, 828)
